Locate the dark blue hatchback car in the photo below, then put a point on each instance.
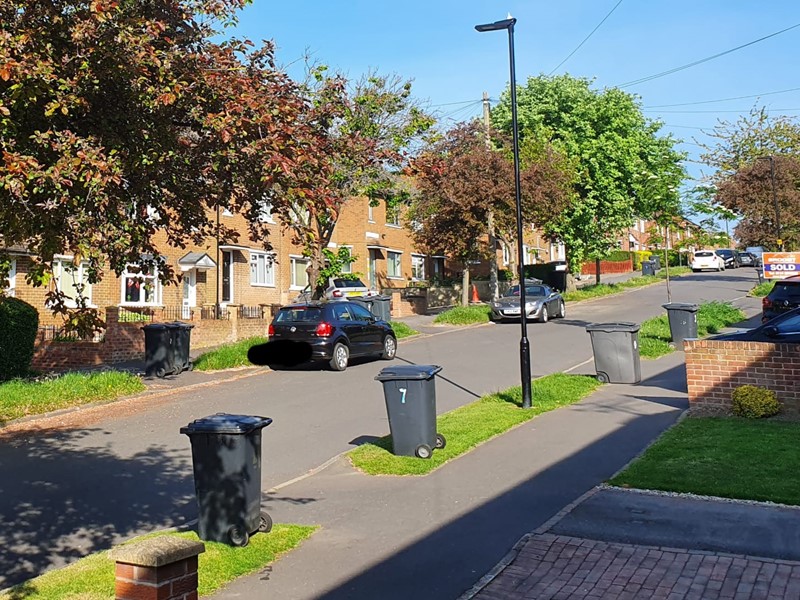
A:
(335, 330)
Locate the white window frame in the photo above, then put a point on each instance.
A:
(11, 287)
(506, 255)
(264, 274)
(393, 216)
(348, 268)
(58, 274)
(390, 254)
(156, 297)
(418, 267)
(295, 260)
(265, 212)
(370, 213)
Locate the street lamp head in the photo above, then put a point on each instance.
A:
(497, 25)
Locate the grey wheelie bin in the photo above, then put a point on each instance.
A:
(410, 394)
(181, 345)
(682, 321)
(616, 352)
(382, 307)
(656, 260)
(159, 358)
(648, 267)
(226, 457)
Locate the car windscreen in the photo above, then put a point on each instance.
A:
(725, 252)
(348, 283)
(530, 290)
(301, 314)
(786, 291)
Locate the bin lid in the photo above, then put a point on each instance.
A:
(408, 372)
(610, 327)
(226, 423)
(180, 325)
(687, 306)
(155, 326)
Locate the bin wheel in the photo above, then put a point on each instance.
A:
(423, 451)
(160, 372)
(440, 441)
(341, 355)
(238, 536)
(602, 378)
(190, 366)
(265, 523)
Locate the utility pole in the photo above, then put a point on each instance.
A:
(494, 289)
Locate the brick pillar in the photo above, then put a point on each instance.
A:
(397, 308)
(160, 568)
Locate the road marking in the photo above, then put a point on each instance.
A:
(572, 368)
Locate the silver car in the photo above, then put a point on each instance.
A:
(541, 303)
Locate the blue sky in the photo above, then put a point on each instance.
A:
(434, 43)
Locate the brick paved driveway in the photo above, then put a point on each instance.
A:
(551, 567)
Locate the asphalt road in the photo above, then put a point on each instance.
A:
(70, 492)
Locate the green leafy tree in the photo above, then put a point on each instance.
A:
(364, 133)
(615, 150)
(335, 262)
(122, 120)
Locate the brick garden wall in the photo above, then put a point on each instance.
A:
(607, 267)
(714, 368)
(125, 341)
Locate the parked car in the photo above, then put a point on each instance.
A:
(730, 257)
(707, 259)
(747, 260)
(541, 303)
(758, 252)
(340, 287)
(785, 296)
(336, 331)
(784, 329)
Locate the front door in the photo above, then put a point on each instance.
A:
(373, 279)
(227, 277)
(189, 294)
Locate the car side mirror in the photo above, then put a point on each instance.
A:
(771, 331)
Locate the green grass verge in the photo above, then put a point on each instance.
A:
(607, 289)
(401, 330)
(92, 577)
(464, 315)
(20, 398)
(724, 457)
(468, 426)
(228, 356)
(762, 289)
(654, 335)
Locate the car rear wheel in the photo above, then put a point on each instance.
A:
(389, 347)
(340, 358)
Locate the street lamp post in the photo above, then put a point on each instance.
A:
(524, 346)
(771, 160)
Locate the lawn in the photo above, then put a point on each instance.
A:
(92, 577)
(725, 457)
(469, 426)
(20, 398)
(401, 330)
(464, 315)
(228, 356)
(762, 289)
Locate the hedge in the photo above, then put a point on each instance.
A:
(19, 322)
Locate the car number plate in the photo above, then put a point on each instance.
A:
(511, 311)
(355, 293)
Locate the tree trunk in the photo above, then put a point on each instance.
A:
(597, 271)
(465, 286)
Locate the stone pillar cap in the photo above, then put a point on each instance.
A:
(157, 551)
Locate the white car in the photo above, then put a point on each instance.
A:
(707, 259)
(340, 287)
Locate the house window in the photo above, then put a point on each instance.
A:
(72, 281)
(417, 267)
(262, 269)
(140, 286)
(10, 287)
(393, 264)
(393, 215)
(299, 273)
(265, 212)
(437, 264)
(348, 268)
(506, 255)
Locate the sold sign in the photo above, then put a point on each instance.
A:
(778, 265)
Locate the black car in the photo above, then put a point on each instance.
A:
(747, 260)
(335, 330)
(782, 329)
(784, 297)
(730, 257)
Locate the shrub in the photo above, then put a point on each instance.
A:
(639, 256)
(754, 402)
(19, 322)
(618, 255)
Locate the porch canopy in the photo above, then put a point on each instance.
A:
(196, 260)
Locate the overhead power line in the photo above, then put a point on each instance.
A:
(703, 60)
(716, 111)
(586, 38)
(722, 99)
